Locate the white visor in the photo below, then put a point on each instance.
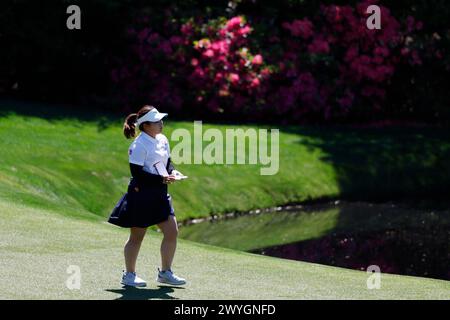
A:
(152, 116)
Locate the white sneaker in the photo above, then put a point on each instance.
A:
(169, 278)
(131, 279)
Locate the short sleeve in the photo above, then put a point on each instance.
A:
(137, 153)
(163, 139)
(168, 149)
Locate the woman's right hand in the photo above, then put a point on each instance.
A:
(169, 179)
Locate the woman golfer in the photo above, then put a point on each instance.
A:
(147, 201)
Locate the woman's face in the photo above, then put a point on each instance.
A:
(153, 128)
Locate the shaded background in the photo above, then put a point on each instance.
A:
(128, 53)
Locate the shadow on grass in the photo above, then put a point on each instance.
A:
(378, 164)
(132, 293)
(56, 112)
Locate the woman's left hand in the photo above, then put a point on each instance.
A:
(169, 179)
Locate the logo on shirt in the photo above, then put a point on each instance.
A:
(130, 151)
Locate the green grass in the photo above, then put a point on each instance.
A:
(38, 245)
(78, 166)
(61, 175)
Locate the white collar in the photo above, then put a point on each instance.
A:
(148, 137)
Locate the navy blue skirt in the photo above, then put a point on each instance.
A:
(142, 206)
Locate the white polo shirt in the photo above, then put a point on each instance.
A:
(146, 151)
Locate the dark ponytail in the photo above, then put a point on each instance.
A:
(129, 127)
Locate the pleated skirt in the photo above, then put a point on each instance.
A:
(142, 206)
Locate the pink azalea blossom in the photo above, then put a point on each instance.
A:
(142, 35)
(257, 60)
(234, 78)
(244, 31)
(187, 29)
(208, 53)
(218, 76)
(194, 62)
(319, 47)
(255, 83)
(300, 28)
(234, 23)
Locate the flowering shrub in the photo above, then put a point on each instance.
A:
(226, 76)
(210, 61)
(329, 67)
(335, 65)
(303, 62)
(151, 70)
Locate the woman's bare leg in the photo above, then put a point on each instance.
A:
(169, 242)
(132, 247)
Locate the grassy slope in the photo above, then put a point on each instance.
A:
(80, 166)
(69, 164)
(37, 246)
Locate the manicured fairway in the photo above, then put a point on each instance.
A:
(37, 246)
